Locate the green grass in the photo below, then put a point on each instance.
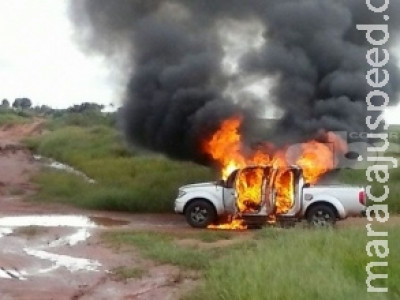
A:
(125, 181)
(83, 119)
(299, 264)
(209, 236)
(10, 117)
(162, 248)
(275, 264)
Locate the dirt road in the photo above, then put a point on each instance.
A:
(54, 251)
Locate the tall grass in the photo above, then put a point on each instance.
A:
(8, 116)
(127, 182)
(300, 264)
(87, 118)
(275, 264)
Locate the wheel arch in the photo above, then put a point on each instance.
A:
(327, 200)
(200, 199)
(322, 202)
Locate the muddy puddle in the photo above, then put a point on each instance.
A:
(11, 274)
(72, 221)
(42, 241)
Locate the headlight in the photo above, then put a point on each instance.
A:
(181, 193)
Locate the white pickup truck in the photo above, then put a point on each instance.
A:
(204, 204)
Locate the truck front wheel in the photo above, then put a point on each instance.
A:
(200, 214)
(321, 215)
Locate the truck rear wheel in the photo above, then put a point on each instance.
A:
(321, 215)
(200, 214)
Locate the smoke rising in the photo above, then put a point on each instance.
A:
(318, 57)
(172, 53)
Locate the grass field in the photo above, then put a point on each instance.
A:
(125, 180)
(274, 263)
(130, 179)
(9, 117)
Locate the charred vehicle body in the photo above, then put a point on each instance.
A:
(257, 194)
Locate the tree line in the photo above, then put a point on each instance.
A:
(22, 103)
(27, 104)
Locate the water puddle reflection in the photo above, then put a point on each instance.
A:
(50, 261)
(73, 264)
(51, 163)
(73, 221)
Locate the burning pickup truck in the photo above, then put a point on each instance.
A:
(258, 194)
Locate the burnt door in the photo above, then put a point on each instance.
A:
(249, 190)
(229, 194)
(283, 190)
(269, 194)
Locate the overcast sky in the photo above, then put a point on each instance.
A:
(40, 60)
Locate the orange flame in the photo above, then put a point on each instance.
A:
(235, 224)
(226, 148)
(284, 186)
(249, 190)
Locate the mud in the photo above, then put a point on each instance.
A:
(54, 251)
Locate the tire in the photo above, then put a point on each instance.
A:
(321, 215)
(200, 214)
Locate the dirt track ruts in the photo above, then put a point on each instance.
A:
(51, 262)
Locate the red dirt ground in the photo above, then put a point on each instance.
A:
(47, 263)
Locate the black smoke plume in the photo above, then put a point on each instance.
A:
(172, 53)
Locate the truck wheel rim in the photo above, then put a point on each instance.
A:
(198, 214)
(321, 218)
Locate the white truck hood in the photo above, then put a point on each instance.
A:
(202, 186)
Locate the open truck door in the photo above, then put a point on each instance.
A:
(285, 190)
(229, 193)
(252, 191)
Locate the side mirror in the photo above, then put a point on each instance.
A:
(352, 155)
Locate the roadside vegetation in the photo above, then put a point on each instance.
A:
(351, 176)
(267, 264)
(125, 179)
(130, 179)
(10, 117)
